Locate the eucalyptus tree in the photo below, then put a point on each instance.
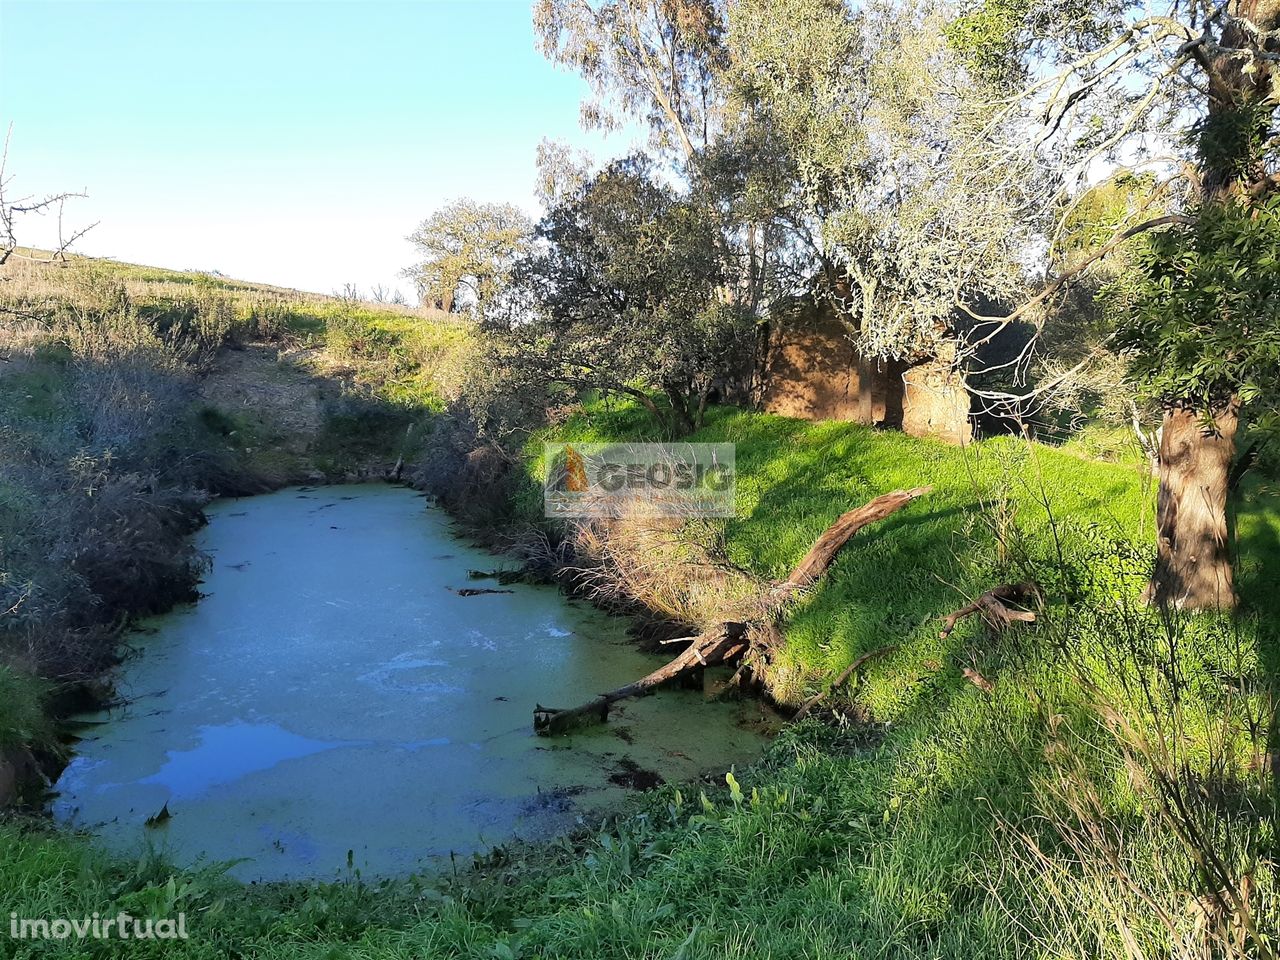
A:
(467, 251)
(900, 188)
(655, 61)
(837, 144)
(661, 64)
(1187, 89)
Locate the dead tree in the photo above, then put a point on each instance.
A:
(12, 210)
(728, 642)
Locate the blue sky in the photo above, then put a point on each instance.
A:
(289, 142)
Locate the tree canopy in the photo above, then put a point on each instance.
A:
(467, 251)
(623, 293)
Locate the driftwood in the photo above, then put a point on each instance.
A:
(729, 641)
(994, 606)
(840, 681)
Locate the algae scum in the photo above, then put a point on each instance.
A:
(331, 693)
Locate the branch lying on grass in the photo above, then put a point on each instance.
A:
(825, 549)
(730, 640)
(995, 609)
(843, 678)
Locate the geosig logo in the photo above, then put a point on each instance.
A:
(636, 479)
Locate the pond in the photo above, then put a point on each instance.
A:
(332, 703)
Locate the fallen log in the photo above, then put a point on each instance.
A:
(994, 606)
(828, 546)
(728, 641)
(725, 642)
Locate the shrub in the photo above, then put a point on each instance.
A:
(22, 717)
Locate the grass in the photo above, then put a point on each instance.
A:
(23, 721)
(892, 585)
(883, 840)
(898, 835)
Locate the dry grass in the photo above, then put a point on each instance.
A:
(677, 568)
(34, 286)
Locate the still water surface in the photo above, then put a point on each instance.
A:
(331, 693)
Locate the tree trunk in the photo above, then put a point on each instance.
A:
(682, 419)
(730, 640)
(935, 400)
(1193, 550)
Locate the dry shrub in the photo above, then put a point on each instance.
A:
(677, 568)
(477, 484)
(265, 319)
(96, 488)
(87, 545)
(194, 328)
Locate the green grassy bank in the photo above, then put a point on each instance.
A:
(983, 795)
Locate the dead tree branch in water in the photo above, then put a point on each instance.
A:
(730, 641)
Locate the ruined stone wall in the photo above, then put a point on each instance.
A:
(813, 371)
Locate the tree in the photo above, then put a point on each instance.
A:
(1202, 336)
(894, 179)
(1076, 349)
(467, 251)
(655, 60)
(622, 294)
(828, 146)
(1191, 93)
(14, 209)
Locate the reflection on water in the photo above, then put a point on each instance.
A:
(225, 754)
(330, 693)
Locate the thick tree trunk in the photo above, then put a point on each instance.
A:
(936, 403)
(682, 419)
(1193, 558)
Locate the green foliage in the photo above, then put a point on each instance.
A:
(23, 721)
(623, 294)
(357, 430)
(409, 362)
(1096, 216)
(881, 839)
(1234, 141)
(655, 63)
(467, 249)
(987, 36)
(849, 99)
(1203, 323)
(795, 478)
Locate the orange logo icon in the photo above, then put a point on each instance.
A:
(575, 471)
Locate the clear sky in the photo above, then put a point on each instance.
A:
(294, 143)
